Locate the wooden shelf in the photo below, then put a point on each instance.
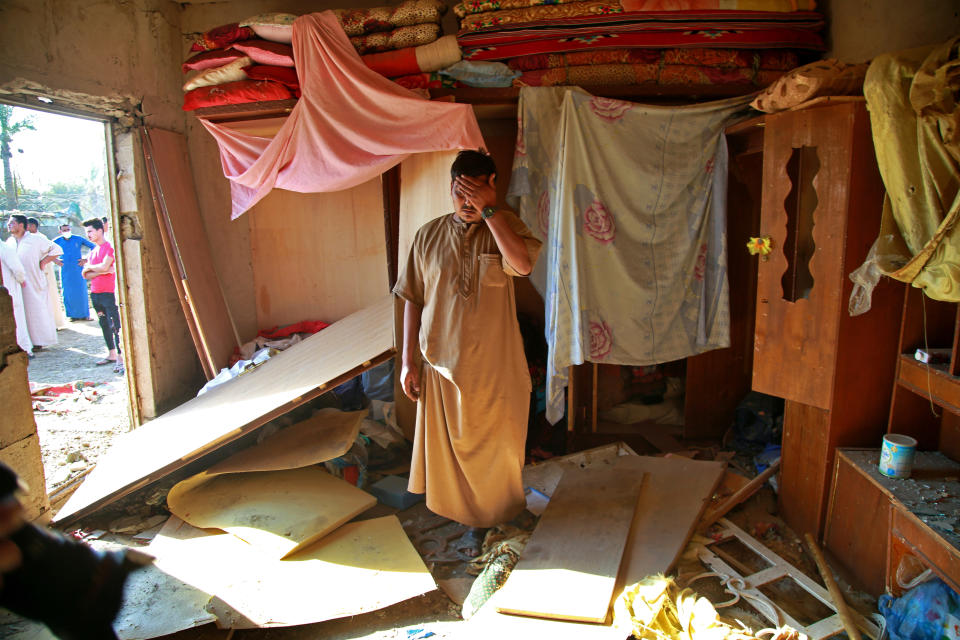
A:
(655, 92)
(247, 111)
(909, 508)
(931, 381)
(681, 93)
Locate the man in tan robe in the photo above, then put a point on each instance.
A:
(473, 390)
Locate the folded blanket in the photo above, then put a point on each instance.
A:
(759, 39)
(397, 39)
(700, 21)
(357, 22)
(699, 5)
(645, 73)
(468, 7)
(543, 12)
(411, 60)
(427, 81)
(774, 60)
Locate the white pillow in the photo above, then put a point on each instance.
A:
(276, 27)
(219, 75)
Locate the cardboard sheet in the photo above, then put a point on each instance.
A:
(328, 433)
(278, 512)
(360, 567)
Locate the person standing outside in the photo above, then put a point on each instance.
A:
(13, 276)
(473, 389)
(35, 252)
(100, 271)
(75, 294)
(53, 297)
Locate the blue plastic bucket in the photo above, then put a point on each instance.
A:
(896, 455)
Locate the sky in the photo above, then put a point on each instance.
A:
(62, 149)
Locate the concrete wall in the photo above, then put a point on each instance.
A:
(19, 445)
(862, 29)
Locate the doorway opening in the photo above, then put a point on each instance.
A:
(57, 173)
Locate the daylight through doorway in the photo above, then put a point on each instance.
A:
(56, 172)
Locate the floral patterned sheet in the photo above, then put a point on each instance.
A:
(631, 209)
(542, 12)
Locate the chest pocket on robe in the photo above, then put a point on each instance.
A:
(491, 270)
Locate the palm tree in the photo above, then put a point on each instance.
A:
(9, 129)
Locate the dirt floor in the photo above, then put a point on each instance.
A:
(76, 425)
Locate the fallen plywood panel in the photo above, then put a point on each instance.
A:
(668, 509)
(203, 424)
(360, 567)
(544, 476)
(568, 570)
(326, 434)
(156, 604)
(278, 512)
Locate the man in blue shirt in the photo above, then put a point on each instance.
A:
(75, 297)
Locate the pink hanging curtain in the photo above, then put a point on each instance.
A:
(350, 124)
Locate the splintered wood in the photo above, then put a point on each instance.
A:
(569, 567)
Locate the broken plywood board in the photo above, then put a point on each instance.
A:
(568, 569)
(545, 475)
(360, 567)
(199, 426)
(669, 507)
(277, 512)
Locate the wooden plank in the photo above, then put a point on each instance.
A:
(247, 111)
(188, 249)
(203, 424)
(804, 469)
(855, 499)
(569, 567)
(740, 495)
(424, 195)
(317, 256)
(800, 329)
(930, 381)
(671, 501)
(836, 596)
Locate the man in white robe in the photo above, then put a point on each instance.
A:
(14, 275)
(35, 252)
(53, 291)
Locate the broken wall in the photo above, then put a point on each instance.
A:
(118, 60)
(19, 445)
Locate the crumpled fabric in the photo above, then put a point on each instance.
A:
(656, 608)
(350, 125)
(916, 134)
